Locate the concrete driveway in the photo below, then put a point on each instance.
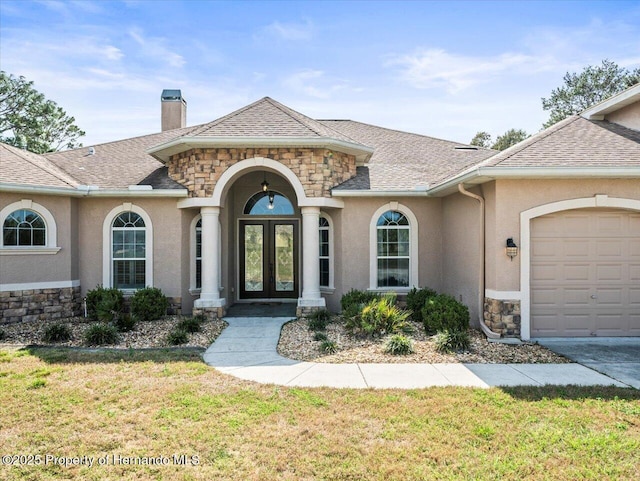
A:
(618, 358)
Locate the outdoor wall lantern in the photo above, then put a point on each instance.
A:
(271, 199)
(265, 184)
(511, 249)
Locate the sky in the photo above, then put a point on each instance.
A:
(443, 69)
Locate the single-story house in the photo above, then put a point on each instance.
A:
(266, 204)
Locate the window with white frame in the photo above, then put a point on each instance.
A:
(325, 252)
(393, 247)
(27, 228)
(199, 254)
(129, 255)
(24, 227)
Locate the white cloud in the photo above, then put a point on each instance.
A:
(314, 83)
(291, 31)
(154, 47)
(434, 68)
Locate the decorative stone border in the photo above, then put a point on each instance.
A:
(40, 304)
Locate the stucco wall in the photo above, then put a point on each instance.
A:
(515, 196)
(62, 266)
(168, 240)
(628, 116)
(353, 240)
(461, 250)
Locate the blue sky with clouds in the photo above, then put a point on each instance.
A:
(445, 69)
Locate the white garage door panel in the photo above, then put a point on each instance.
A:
(585, 273)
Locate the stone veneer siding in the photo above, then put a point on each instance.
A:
(210, 313)
(502, 316)
(40, 304)
(319, 170)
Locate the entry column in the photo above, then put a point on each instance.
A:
(210, 292)
(311, 299)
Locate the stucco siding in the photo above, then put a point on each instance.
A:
(516, 196)
(42, 268)
(168, 244)
(628, 116)
(353, 240)
(461, 250)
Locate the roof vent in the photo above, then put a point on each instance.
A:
(465, 147)
(92, 150)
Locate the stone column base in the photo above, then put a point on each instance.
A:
(502, 316)
(210, 313)
(210, 308)
(309, 306)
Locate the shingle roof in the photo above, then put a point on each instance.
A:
(19, 166)
(594, 143)
(402, 160)
(117, 165)
(266, 118)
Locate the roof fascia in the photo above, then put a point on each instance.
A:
(379, 193)
(92, 191)
(618, 101)
(164, 151)
(481, 175)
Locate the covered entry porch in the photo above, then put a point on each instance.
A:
(259, 240)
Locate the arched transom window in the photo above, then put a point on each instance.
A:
(393, 250)
(129, 251)
(268, 203)
(24, 227)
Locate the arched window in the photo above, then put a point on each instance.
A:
(268, 203)
(27, 228)
(24, 227)
(393, 250)
(129, 256)
(326, 251)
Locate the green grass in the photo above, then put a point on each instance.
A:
(161, 402)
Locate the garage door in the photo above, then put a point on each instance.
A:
(585, 273)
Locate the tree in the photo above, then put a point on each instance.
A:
(580, 91)
(504, 141)
(33, 122)
(509, 138)
(481, 139)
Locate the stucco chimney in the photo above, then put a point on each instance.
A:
(174, 110)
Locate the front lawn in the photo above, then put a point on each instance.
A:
(144, 406)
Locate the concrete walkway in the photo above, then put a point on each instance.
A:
(247, 349)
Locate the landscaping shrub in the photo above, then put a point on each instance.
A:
(125, 322)
(149, 304)
(320, 336)
(319, 319)
(104, 304)
(56, 333)
(416, 299)
(443, 312)
(190, 324)
(177, 337)
(353, 301)
(329, 347)
(100, 334)
(449, 341)
(398, 345)
(380, 316)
